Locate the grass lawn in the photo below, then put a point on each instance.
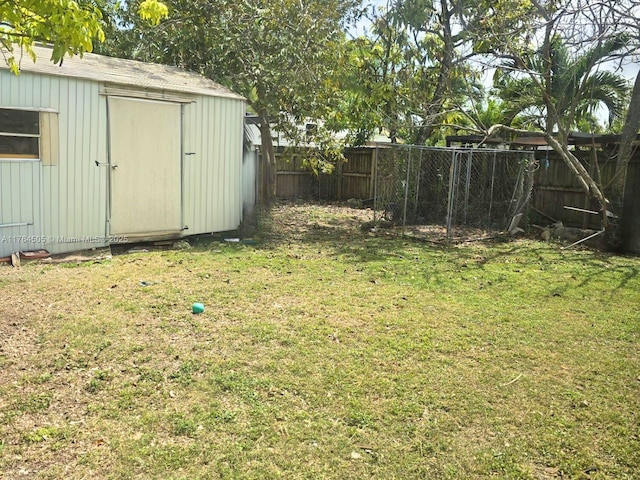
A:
(324, 352)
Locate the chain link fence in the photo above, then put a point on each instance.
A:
(452, 194)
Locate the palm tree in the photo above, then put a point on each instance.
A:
(562, 90)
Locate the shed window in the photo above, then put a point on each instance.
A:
(19, 134)
(29, 135)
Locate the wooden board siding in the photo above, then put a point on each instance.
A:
(293, 179)
(556, 187)
(631, 214)
(356, 175)
(350, 179)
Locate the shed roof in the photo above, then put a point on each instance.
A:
(119, 71)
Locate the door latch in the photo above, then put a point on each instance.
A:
(98, 164)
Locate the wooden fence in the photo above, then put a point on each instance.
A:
(351, 179)
(555, 187)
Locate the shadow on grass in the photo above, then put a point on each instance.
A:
(337, 230)
(340, 231)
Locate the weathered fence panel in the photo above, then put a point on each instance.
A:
(631, 214)
(350, 179)
(556, 188)
(293, 179)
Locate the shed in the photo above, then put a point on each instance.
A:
(101, 150)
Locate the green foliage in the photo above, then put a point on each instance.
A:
(282, 55)
(153, 11)
(506, 26)
(98, 382)
(492, 113)
(571, 83)
(34, 403)
(67, 25)
(70, 27)
(42, 434)
(377, 88)
(552, 62)
(411, 76)
(358, 109)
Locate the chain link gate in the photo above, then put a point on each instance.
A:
(451, 194)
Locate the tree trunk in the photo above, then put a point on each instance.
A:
(267, 190)
(548, 75)
(589, 185)
(553, 119)
(437, 101)
(614, 237)
(586, 181)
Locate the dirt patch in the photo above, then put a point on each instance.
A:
(288, 221)
(438, 234)
(297, 221)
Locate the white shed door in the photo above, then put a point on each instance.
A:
(145, 149)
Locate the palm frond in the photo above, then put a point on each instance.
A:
(576, 90)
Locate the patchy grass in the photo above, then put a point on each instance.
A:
(323, 352)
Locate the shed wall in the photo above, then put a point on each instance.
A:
(69, 198)
(249, 181)
(213, 141)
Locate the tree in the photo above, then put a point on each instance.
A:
(422, 63)
(567, 82)
(411, 70)
(576, 90)
(69, 26)
(491, 111)
(377, 90)
(623, 14)
(282, 55)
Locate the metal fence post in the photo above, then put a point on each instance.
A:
(415, 205)
(487, 173)
(467, 186)
(406, 192)
(493, 179)
(453, 173)
(375, 184)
